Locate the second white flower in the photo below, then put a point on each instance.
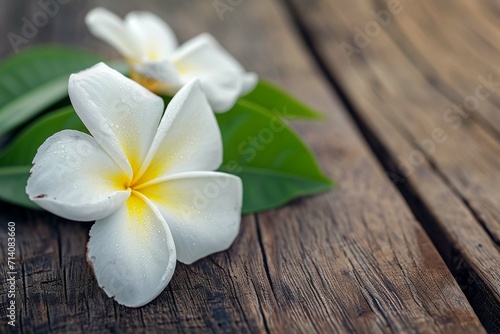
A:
(159, 64)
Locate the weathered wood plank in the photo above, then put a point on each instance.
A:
(352, 260)
(405, 82)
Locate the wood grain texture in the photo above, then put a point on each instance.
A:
(352, 260)
(419, 78)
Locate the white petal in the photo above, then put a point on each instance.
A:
(156, 39)
(250, 80)
(132, 253)
(202, 53)
(120, 114)
(107, 26)
(74, 178)
(202, 209)
(188, 138)
(220, 74)
(159, 77)
(222, 88)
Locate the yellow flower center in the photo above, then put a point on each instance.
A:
(153, 55)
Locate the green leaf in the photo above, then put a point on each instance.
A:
(16, 159)
(273, 163)
(13, 181)
(35, 79)
(119, 65)
(272, 98)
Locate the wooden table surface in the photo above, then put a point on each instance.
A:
(409, 240)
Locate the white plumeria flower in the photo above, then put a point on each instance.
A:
(147, 180)
(158, 63)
